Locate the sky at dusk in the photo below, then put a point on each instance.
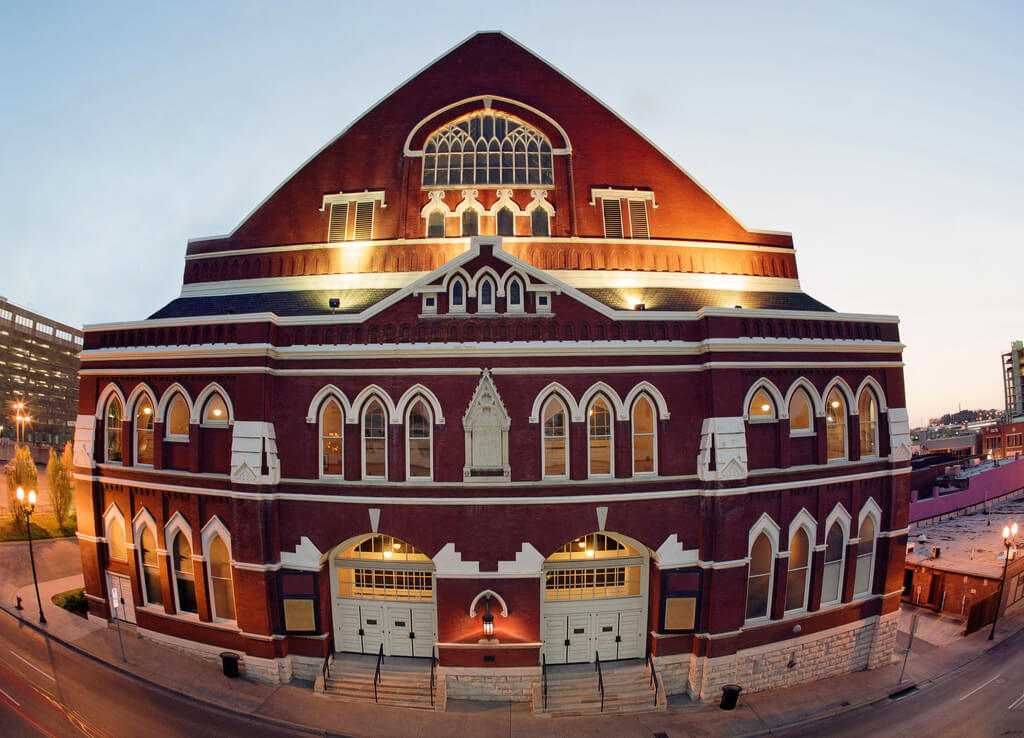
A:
(887, 137)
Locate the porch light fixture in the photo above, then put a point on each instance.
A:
(488, 619)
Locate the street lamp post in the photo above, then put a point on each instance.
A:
(1009, 533)
(29, 509)
(20, 418)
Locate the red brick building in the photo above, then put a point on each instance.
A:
(491, 348)
(1003, 441)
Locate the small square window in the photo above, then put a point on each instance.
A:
(429, 304)
(543, 303)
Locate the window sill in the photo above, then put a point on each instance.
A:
(762, 421)
(229, 626)
(802, 434)
(176, 439)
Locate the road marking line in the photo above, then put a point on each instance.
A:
(29, 663)
(16, 703)
(1016, 703)
(976, 689)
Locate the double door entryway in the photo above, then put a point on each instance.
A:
(403, 628)
(574, 637)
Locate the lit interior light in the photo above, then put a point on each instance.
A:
(581, 543)
(835, 403)
(765, 408)
(147, 410)
(217, 412)
(590, 552)
(396, 545)
(388, 554)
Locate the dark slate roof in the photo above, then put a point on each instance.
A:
(298, 302)
(693, 299)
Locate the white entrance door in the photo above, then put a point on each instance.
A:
(554, 634)
(423, 630)
(575, 638)
(631, 635)
(371, 627)
(579, 637)
(399, 629)
(126, 603)
(347, 627)
(607, 635)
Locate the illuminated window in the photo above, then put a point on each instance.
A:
(759, 577)
(375, 463)
(599, 431)
(419, 427)
(384, 568)
(835, 556)
(867, 409)
(331, 457)
(487, 148)
(555, 461)
(216, 411)
(144, 431)
(116, 545)
(591, 567)
(221, 584)
(177, 418)
(800, 413)
(762, 407)
(643, 437)
(796, 578)
(835, 425)
(112, 430)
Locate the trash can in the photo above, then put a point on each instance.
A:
(730, 693)
(229, 661)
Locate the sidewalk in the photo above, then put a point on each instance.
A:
(937, 649)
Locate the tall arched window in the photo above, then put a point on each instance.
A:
(800, 413)
(797, 579)
(184, 579)
(485, 303)
(643, 436)
(331, 457)
(759, 578)
(599, 432)
(419, 451)
(116, 545)
(150, 567)
(555, 459)
(835, 553)
(177, 418)
(216, 410)
(375, 457)
(835, 424)
(539, 223)
(514, 296)
(506, 223)
(762, 407)
(868, 410)
(435, 224)
(220, 579)
(144, 431)
(457, 297)
(112, 430)
(865, 557)
(470, 222)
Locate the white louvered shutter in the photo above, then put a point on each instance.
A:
(638, 219)
(339, 220)
(364, 221)
(612, 218)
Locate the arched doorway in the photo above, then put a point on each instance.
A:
(382, 592)
(594, 600)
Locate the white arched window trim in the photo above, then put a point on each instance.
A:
(215, 528)
(176, 526)
(556, 397)
(631, 406)
(407, 408)
(111, 390)
(165, 401)
(419, 390)
(612, 413)
(615, 405)
(111, 517)
(781, 410)
(144, 519)
(817, 403)
(840, 516)
(200, 406)
(806, 522)
(505, 201)
(879, 395)
(360, 401)
(328, 399)
(390, 415)
(568, 402)
(478, 278)
(131, 413)
(316, 404)
(506, 287)
(771, 529)
(653, 394)
(873, 511)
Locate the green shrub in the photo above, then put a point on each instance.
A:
(73, 601)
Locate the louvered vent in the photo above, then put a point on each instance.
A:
(612, 218)
(364, 221)
(339, 220)
(638, 219)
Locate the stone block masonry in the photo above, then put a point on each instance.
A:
(489, 685)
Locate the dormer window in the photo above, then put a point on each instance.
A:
(457, 297)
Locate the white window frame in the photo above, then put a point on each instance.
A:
(486, 307)
(135, 429)
(216, 529)
(168, 435)
(515, 307)
(839, 517)
(566, 420)
(362, 436)
(769, 528)
(845, 425)
(144, 519)
(867, 392)
(107, 430)
(408, 438)
(352, 201)
(429, 303)
(610, 408)
(633, 434)
(452, 306)
(808, 525)
(178, 526)
(870, 510)
(111, 517)
(543, 302)
(811, 414)
(320, 437)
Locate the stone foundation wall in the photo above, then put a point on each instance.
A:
(489, 685)
(272, 671)
(867, 644)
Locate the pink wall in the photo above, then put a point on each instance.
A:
(1001, 480)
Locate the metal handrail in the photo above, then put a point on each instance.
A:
(654, 682)
(544, 678)
(433, 665)
(326, 668)
(600, 677)
(376, 674)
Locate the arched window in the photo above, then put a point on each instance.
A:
(144, 431)
(800, 413)
(762, 407)
(177, 418)
(216, 411)
(486, 301)
(868, 410)
(759, 578)
(599, 432)
(506, 223)
(865, 557)
(116, 545)
(555, 461)
(331, 457)
(643, 436)
(835, 424)
(487, 148)
(515, 296)
(150, 566)
(375, 458)
(470, 222)
(184, 579)
(435, 225)
(457, 297)
(835, 553)
(112, 430)
(797, 579)
(539, 223)
(419, 450)
(220, 579)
